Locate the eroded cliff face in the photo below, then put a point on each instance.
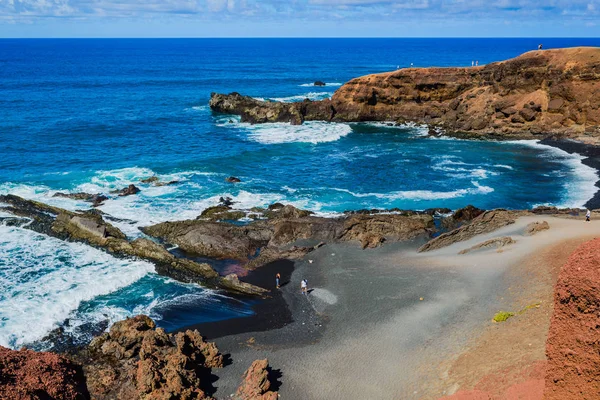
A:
(547, 92)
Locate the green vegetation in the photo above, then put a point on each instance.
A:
(503, 316)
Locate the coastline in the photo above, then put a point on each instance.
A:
(590, 156)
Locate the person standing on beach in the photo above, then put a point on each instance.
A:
(588, 214)
(277, 280)
(304, 286)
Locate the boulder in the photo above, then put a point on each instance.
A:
(256, 384)
(536, 227)
(320, 83)
(233, 179)
(128, 191)
(151, 179)
(95, 199)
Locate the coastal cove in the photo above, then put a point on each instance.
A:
(143, 214)
(126, 119)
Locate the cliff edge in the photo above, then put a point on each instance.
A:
(540, 93)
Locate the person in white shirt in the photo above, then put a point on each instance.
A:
(588, 214)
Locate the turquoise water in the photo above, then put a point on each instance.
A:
(97, 115)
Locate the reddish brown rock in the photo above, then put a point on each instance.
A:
(256, 383)
(545, 93)
(27, 375)
(572, 346)
(134, 360)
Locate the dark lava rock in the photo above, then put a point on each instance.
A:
(233, 179)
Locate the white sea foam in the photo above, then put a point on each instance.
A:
(503, 166)
(579, 190)
(300, 97)
(309, 132)
(312, 84)
(423, 194)
(42, 280)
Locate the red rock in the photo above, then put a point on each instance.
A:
(26, 375)
(572, 346)
(256, 383)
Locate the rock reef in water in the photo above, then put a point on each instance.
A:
(284, 226)
(540, 93)
(89, 227)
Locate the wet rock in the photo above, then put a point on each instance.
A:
(95, 199)
(320, 83)
(221, 213)
(226, 201)
(151, 179)
(233, 179)
(256, 384)
(90, 228)
(128, 191)
(26, 375)
(536, 227)
(495, 243)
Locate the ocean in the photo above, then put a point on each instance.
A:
(98, 114)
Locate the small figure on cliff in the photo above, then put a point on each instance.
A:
(277, 279)
(304, 286)
(540, 47)
(472, 63)
(477, 63)
(588, 214)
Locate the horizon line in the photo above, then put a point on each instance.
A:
(295, 37)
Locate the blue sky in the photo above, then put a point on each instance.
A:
(299, 18)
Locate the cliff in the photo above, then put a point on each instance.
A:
(546, 92)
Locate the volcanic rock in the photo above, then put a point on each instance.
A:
(256, 383)
(493, 101)
(128, 191)
(90, 228)
(320, 83)
(95, 199)
(487, 222)
(286, 225)
(571, 349)
(26, 375)
(535, 227)
(136, 360)
(233, 179)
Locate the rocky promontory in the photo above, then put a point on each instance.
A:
(540, 93)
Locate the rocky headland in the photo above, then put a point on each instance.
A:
(544, 93)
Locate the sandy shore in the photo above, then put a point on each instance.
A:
(364, 332)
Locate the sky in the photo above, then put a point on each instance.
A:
(299, 18)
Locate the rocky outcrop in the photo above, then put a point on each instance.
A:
(232, 179)
(495, 243)
(258, 111)
(155, 180)
(90, 228)
(256, 383)
(572, 346)
(540, 93)
(536, 227)
(95, 199)
(286, 225)
(135, 360)
(26, 375)
(487, 222)
(128, 191)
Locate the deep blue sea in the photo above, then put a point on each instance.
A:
(97, 115)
